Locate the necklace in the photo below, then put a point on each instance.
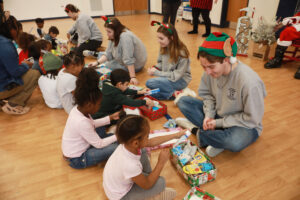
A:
(223, 80)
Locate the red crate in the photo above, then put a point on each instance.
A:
(149, 112)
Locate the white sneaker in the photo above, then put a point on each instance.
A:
(167, 194)
(212, 151)
(185, 92)
(184, 123)
(87, 53)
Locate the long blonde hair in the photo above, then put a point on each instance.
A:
(176, 47)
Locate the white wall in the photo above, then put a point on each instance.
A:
(265, 8)
(155, 6)
(31, 9)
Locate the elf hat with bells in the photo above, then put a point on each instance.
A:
(221, 45)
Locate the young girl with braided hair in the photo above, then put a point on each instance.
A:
(134, 179)
(84, 141)
(173, 63)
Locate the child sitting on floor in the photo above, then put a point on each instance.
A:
(67, 78)
(51, 36)
(127, 173)
(115, 93)
(24, 41)
(82, 144)
(47, 82)
(173, 64)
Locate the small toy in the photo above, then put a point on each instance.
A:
(183, 138)
(30, 59)
(170, 124)
(197, 168)
(154, 91)
(197, 194)
(198, 158)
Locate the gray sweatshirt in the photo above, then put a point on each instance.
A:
(173, 71)
(129, 51)
(86, 29)
(237, 98)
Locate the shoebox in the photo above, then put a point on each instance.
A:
(195, 193)
(195, 167)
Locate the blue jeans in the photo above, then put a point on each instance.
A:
(167, 88)
(93, 156)
(114, 64)
(234, 138)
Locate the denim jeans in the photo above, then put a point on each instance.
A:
(136, 192)
(114, 64)
(234, 138)
(167, 88)
(93, 156)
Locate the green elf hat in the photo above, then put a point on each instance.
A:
(221, 45)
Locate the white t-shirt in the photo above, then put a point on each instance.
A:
(48, 89)
(66, 84)
(118, 171)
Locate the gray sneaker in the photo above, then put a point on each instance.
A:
(184, 123)
(212, 151)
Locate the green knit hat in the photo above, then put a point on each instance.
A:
(221, 45)
(51, 62)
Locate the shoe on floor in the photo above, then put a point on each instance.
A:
(167, 194)
(184, 123)
(193, 32)
(87, 53)
(15, 110)
(297, 74)
(212, 151)
(205, 35)
(185, 92)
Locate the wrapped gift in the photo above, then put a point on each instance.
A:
(193, 164)
(197, 194)
(158, 110)
(104, 72)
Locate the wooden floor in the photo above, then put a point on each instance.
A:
(30, 147)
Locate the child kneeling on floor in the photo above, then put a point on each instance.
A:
(85, 142)
(127, 173)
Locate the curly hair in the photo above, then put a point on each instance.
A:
(73, 59)
(87, 87)
(131, 127)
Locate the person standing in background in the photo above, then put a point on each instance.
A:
(202, 7)
(169, 10)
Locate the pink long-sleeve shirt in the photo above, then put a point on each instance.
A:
(79, 134)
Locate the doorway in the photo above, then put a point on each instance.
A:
(130, 7)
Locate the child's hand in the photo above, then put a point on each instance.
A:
(143, 91)
(149, 103)
(151, 70)
(163, 156)
(115, 116)
(28, 63)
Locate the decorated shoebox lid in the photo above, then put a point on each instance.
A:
(195, 167)
(195, 193)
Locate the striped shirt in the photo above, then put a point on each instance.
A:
(202, 4)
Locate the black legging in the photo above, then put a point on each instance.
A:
(91, 45)
(205, 15)
(169, 10)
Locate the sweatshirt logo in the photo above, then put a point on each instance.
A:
(231, 94)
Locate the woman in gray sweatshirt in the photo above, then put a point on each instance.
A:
(125, 50)
(89, 35)
(173, 65)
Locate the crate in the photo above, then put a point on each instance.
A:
(261, 51)
(194, 179)
(153, 114)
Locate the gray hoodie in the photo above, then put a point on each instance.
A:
(173, 71)
(237, 98)
(129, 51)
(86, 29)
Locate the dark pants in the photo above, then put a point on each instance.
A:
(91, 45)
(205, 15)
(169, 10)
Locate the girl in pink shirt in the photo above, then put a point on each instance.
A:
(84, 141)
(127, 173)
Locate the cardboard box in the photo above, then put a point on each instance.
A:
(198, 194)
(194, 179)
(150, 113)
(260, 51)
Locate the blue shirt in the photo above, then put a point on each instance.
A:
(10, 70)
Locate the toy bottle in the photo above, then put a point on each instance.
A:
(182, 138)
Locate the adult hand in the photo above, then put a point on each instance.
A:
(211, 124)
(149, 103)
(134, 81)
(93, 64)
(151, 70)
(206, 124)
(163, 156)
(115, 116)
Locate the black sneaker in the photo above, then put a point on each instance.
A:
(297, 74)
(205, 35)
(193, 32)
